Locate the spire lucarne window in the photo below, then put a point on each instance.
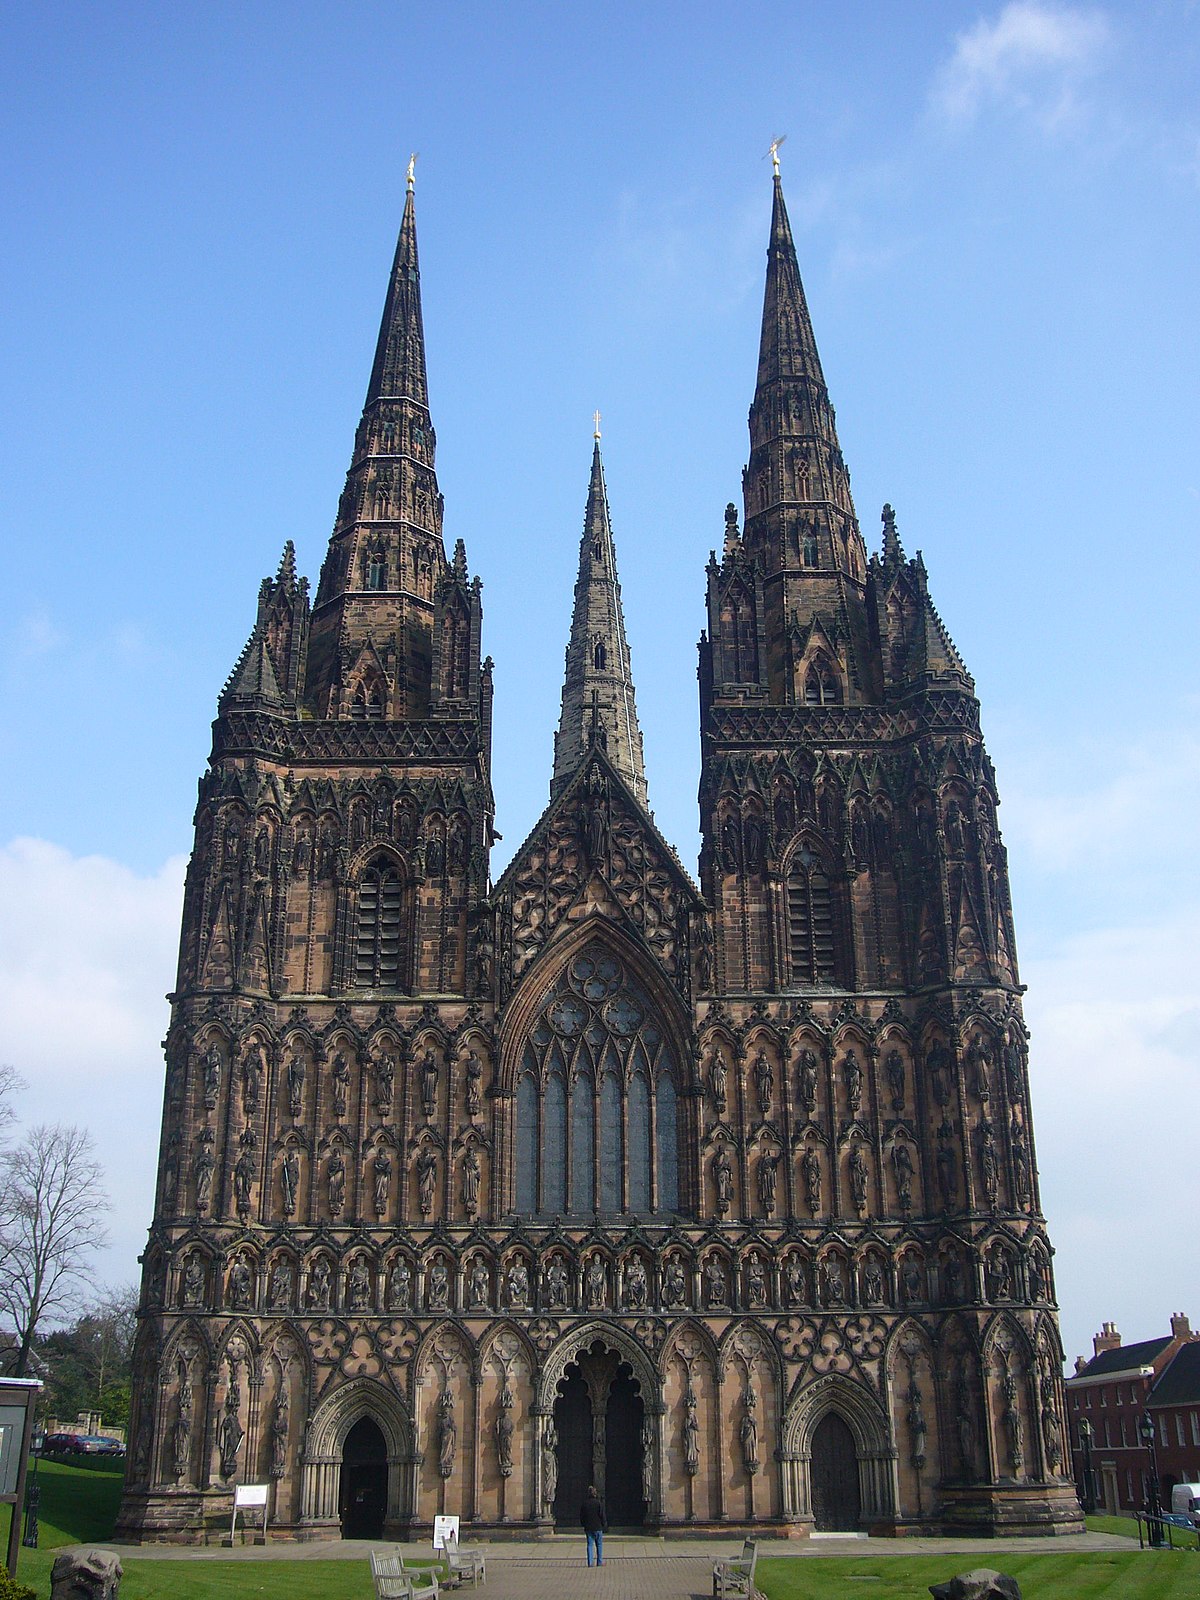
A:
(596, 1099)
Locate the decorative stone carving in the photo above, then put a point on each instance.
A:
(400, 1287)
(517, 1286)
(852, 1077)
(427, 1166)
(549, 1465)
(858, 1179)
(381, 1168)
(595, 1283)
(764, 1083)
(470, 1182)
(447, 1434)
(691, 1431)
(474, 1080)
(674, 1284)
(289, 1182)
(280, 1423)
(768, 1168)
(340, 1084)
(806, 1080)
(385, 1084)
(211, 1069)
(718, 1083)
(437, 1294)
(295, 1084)
(894, 1067)
(358, 1286)
(810, 1168)
(504, 1431)
(748, 1432)
(555, 1284)
(429, 1085)
(722, 1171)
(335, 1177)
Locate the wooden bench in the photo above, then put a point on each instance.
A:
(736, 1577)
(393, 1582)
(462, 1564)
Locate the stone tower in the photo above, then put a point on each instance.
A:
(721, 1196)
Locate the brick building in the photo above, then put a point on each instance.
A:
(719, 1192)
(1112, 1393)
(1174, 1405)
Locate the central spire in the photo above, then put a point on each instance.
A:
(597, 699)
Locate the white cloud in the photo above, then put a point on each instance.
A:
(87, 949)
(1031, 58)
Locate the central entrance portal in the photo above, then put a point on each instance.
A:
(598, 1415)
(363, 1497)
(835, 1497)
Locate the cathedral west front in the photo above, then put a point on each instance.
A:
(717, 1191)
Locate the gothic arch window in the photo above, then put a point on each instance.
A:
(822, 686)
(810, 920)
(366, 703)
(599, 655)
(597, 1106)
(381, 933)
(375, 570)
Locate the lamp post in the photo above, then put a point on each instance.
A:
(1153, 1506)
(1086, 1434)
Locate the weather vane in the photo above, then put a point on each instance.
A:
(773, 152)
(410, 177)
(596, 423)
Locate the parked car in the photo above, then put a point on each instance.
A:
(106, 1446)
(63, 1444)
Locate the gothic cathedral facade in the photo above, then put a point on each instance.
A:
(720, 1194)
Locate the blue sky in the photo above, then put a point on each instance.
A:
(996, 211)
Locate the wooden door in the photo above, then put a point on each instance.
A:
(835, 1496)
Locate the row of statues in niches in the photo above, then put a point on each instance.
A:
(993, 1272)
(986, 1065)
(251, 1070)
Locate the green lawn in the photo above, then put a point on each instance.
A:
(1132, 1575)
(80, 1504)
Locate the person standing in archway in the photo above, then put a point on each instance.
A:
(594, 1522)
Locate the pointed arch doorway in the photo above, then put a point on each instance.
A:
(836, 1500)
(362, 1496)
(598, 1417)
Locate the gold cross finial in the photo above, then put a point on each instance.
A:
(410, 177)
(773, 152)
(596, 424)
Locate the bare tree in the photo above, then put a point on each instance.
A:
(52, 1205)
(11, 1082)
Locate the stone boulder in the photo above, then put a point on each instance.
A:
(981, 1584)
(85, 1575)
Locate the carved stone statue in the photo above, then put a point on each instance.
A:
(952, 1279)
(279, 1287)
(806, 1080)
(595, 1283)
(756, 1283)
(335, 1175)
(768, 1167)
(429, 1084)
(748, 1432)
(964, 1424)
(204, 1180)
(341, 1084)
(400, 1287)
(279, 1434)
(385, 1084)
(470, 1182)
(704, 956)
(518, 1285)
(953, 829)
(674, 1284)
(979, 1058)
(193, 1281)
(243, 1178)
(382, 1170)
(902, 1169)
(716, 1285)
(691, 1431)
(874, 1288)
(1013, 1426)
(437, 1294)
(427, 1165)
(1013, 1067)
(795, 1289)
(988, 1170)
(181, 1433)
(894, 1066)
(810, 1168)
(637, 1288)
(239, 1284)
(940, 1066)
(718, 1083)
(504, 1431)
(447, 1434)
(295, 1085)
(358, 1286)
(764, 1083)
(917, 1428)
(1020, 1159)
(852, 1077)
(910, 1281)
(479, 1286)
(647, 1460)
(722, 1170)
(835, 1281)
(230, 1432)
(556, 1284)
(320, 1286)
(211, 1068)
(1051, 1424)
(549, 1463)
(474, 1082)
(252, 1076)
(289, 1181)
(947, 1168)
(858, 1179)
(1000, 1275)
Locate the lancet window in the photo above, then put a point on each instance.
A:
(380, 943)
(822, 686)
(597, 1104)
(810, 920)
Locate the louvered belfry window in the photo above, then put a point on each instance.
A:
(379, 949)
(810, 920)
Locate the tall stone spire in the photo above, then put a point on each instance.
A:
(800, 524)
(597, 699)
(386, 562)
